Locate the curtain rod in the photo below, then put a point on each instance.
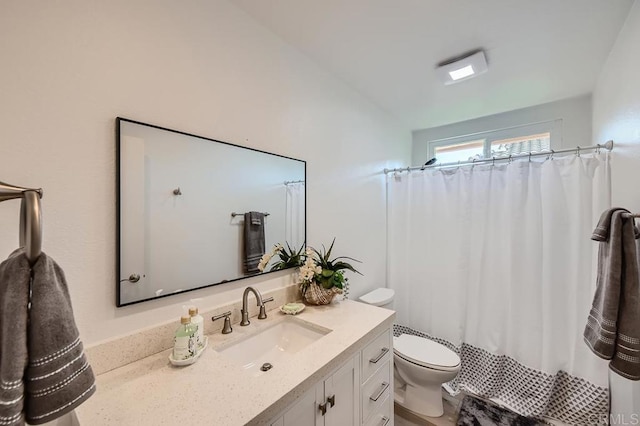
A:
(607, 145)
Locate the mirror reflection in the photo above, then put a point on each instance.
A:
(196, 212)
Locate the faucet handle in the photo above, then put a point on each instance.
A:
(263, 311)
(226, 329)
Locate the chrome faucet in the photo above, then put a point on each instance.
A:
(259, 302)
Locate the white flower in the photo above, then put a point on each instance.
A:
(309, 269)
(266, 258)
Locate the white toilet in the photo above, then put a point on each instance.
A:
(421, 365)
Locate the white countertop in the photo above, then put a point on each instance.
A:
(215, 390)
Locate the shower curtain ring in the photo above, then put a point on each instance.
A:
(551, 156)
(578, 152)
(510, 158)
(529, 156)
(493, 161)
(598, 146)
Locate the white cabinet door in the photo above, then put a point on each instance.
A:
(341, 396)
(303, 411)
(339, 400)
(332, 402)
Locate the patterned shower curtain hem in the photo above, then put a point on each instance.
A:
(525, 390)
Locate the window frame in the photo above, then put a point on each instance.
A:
(553, 127)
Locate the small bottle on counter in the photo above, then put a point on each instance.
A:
(198, 321)
(184, 343)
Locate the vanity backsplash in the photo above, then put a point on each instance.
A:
(124, 350)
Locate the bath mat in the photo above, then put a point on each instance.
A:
(476, 412)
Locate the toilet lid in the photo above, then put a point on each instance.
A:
(378, 297)
(425, 352)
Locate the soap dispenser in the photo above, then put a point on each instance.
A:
(198, 321)
(184, 344)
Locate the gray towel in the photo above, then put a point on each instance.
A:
(613, 327)
(254, 244)
(43, 370)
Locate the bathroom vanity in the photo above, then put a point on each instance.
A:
(341, 373)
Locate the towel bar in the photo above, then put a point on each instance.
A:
(632, 215)
(30, 217)
(234, 214)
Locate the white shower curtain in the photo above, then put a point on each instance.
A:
(295, 214)
(497, 261)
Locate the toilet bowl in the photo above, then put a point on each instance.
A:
(421, 365)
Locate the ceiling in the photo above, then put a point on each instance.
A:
(538, 50)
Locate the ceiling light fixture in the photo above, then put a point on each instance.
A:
(463, 67)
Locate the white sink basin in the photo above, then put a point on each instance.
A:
(273, 344)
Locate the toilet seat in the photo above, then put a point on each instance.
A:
(425, 353)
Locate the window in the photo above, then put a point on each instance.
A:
(460, 151)
(497, 143)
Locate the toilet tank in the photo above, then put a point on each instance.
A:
(382, 297)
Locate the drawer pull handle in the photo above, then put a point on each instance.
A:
(385, 421)
(382, 353)
(323, 408)
(331, 400)
(383, 388)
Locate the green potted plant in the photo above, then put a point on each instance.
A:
(321, 277)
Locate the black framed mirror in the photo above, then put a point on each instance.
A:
(182, 200)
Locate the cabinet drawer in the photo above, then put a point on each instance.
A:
(376, 354)
(383, 415)
(375, 391)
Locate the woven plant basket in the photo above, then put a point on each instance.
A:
(318, 295)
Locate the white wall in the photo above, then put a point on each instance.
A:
(204, 67)
(575, 114)
(616, 115)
